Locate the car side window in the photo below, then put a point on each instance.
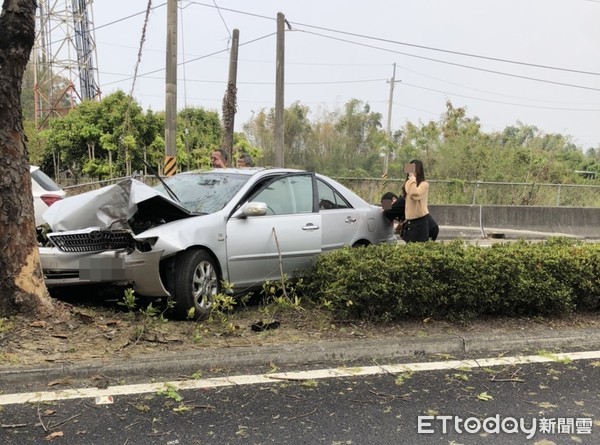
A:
(330, 199)
(287, 195)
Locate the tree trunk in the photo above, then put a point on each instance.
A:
(22, 286)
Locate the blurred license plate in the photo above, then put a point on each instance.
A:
(102, 269)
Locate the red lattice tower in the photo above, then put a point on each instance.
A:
(64, 58)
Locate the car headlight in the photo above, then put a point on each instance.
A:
(145, 244)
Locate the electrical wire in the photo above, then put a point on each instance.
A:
(198, 58)
(429, 48)
(535, 79)
(446, 51)
(222, 19)
(501, 102)
(518, 76)
(114, 22)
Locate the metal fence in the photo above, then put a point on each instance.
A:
(484, 193)
(445, 192)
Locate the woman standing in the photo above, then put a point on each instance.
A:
(416, 228)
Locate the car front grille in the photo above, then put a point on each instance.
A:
(93, 241)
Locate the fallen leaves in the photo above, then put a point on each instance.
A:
(38, 324)
(484, 396)
(54, 435)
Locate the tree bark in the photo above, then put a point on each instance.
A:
(22, 287)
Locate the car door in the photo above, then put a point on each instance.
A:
(340, 222)
(286, 239)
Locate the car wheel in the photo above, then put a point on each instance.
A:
(361, 243)
(196, 281)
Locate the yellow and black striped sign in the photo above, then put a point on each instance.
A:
(170, 166)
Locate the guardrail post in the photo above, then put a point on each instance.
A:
(475, 192)
(481, 222)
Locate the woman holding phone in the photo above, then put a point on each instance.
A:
(416, 212)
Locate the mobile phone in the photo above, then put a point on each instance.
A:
(410, 168)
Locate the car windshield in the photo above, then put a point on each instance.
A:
(204, 192)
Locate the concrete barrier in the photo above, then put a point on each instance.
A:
(576, 221)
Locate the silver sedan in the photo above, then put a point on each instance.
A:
(194, 232)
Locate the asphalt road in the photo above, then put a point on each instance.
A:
(383, 407)
(450, 402)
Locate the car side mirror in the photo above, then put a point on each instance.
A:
(253, 209)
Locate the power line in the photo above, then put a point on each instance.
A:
(199, 58)
(412, 45)
(477, 89)
(114, 22)
(222, 19)
(219, 9)
(500, 102)
(430, 48)
(453, 63)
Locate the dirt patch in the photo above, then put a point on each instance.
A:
(102, 332)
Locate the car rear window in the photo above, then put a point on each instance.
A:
(45, 181)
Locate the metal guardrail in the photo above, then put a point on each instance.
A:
(484, 193)
(444, 192)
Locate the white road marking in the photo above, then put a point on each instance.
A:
(111, 391)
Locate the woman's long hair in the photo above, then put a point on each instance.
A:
(419, 171)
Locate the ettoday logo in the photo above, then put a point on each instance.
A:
(505, 425)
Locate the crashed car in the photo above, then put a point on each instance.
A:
(194, 232)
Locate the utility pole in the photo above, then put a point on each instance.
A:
(392, 82)
(230, 100)
(170, 167)
(279, 84)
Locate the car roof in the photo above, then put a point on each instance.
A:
(250, 171)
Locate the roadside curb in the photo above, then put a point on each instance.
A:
(239, 359)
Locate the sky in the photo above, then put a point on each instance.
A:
(535, 62)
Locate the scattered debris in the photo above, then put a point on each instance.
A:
(64, 381)
(260, 326)
(100, 381)
(104, 400)
(38, 324)
(54, 435)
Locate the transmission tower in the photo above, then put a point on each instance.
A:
(64, 58)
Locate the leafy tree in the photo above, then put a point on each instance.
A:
(421, 142)
(106, 138)
(199, 133)
(349, 142)
(260, 132)
(352, 139)
(297, 132)
(243, 145)
(360, 133)
(464, 152)
(37, 142)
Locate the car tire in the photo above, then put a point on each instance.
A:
(196, 282)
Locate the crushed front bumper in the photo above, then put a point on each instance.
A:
(141, 270)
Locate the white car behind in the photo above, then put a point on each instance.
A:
(45, 193)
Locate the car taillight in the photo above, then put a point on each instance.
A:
(50, 199)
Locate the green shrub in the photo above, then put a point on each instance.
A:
(458, 282)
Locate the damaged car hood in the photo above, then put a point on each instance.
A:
(113, 207)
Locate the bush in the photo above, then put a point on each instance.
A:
(458, 282)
